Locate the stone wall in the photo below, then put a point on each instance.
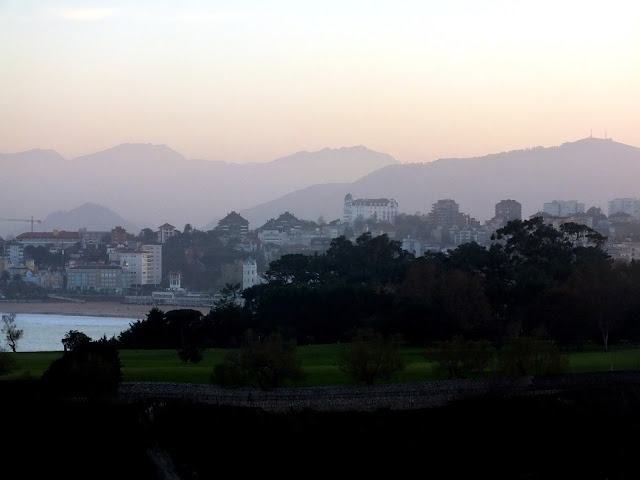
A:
(399, 396)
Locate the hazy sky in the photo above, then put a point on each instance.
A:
(256, 80)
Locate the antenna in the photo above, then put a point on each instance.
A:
(591, 134)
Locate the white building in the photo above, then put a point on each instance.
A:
(381, 209)
(562, 208)
(165, 232)
(412, 245)
(274, 237)
(250, 273)
(15, 253)
(143, 266)
(630, 206)
(175, 279)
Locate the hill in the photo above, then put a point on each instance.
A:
(90, 216)
(592, 171)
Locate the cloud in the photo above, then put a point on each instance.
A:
(85, 14)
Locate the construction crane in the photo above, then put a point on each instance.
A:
(31, 220)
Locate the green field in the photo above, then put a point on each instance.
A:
(319, 362)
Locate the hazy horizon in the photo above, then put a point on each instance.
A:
(252, 82)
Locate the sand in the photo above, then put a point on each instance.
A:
(96, 309)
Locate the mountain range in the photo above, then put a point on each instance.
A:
(592, 171)
(152, 184)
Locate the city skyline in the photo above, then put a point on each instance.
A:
(249, 82)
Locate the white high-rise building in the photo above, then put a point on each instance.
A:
(630, 206)
(143, 266)
(15, 252)
(249, 273)
(563, 208)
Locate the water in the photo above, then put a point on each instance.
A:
(44, 332)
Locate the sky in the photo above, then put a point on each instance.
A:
(245, 81)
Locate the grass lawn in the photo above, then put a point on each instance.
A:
(319, 362)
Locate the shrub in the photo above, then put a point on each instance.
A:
(7, 362)
(371, 357)
(91, 370)
(263, 363)
(458, 358)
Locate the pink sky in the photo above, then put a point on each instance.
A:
(245, 81)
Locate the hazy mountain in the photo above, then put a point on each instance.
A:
(153, 184)
(592, 171)
(307, 204)
(90, 216)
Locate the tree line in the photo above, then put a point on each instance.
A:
(533, 279)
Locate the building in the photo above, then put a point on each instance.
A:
(562, 208)
(630, 206)
(15, 253)
(51, 280)
(250, 273)
(175, 280)
(90, 239)
(412, 245)
(464, 235)
(446, 213)
(58, 239)
(508, 210)
(142, 266)
(165, 232)
(286, 222)
(378, 209)
(274, 237)
(233, 225)
(95, 278)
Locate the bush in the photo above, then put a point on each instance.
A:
(525, 356)
(91, 370)
(7, 362)
(190, 353)
(371, 357)
(459, 359)
(261, 363)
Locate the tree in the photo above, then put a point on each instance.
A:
(230, 293)
(263, 363)
(371, 357)
(73, 339)
(147, 235)
(11, 333)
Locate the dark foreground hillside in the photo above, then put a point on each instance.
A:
(587, 433)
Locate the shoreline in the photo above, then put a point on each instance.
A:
(89, 309)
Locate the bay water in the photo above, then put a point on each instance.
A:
(44, 332)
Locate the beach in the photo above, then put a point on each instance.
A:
(98, 309)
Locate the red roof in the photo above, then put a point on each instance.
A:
(166, 226)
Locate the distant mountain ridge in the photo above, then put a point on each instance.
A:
(591, 170)
(153, 184)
